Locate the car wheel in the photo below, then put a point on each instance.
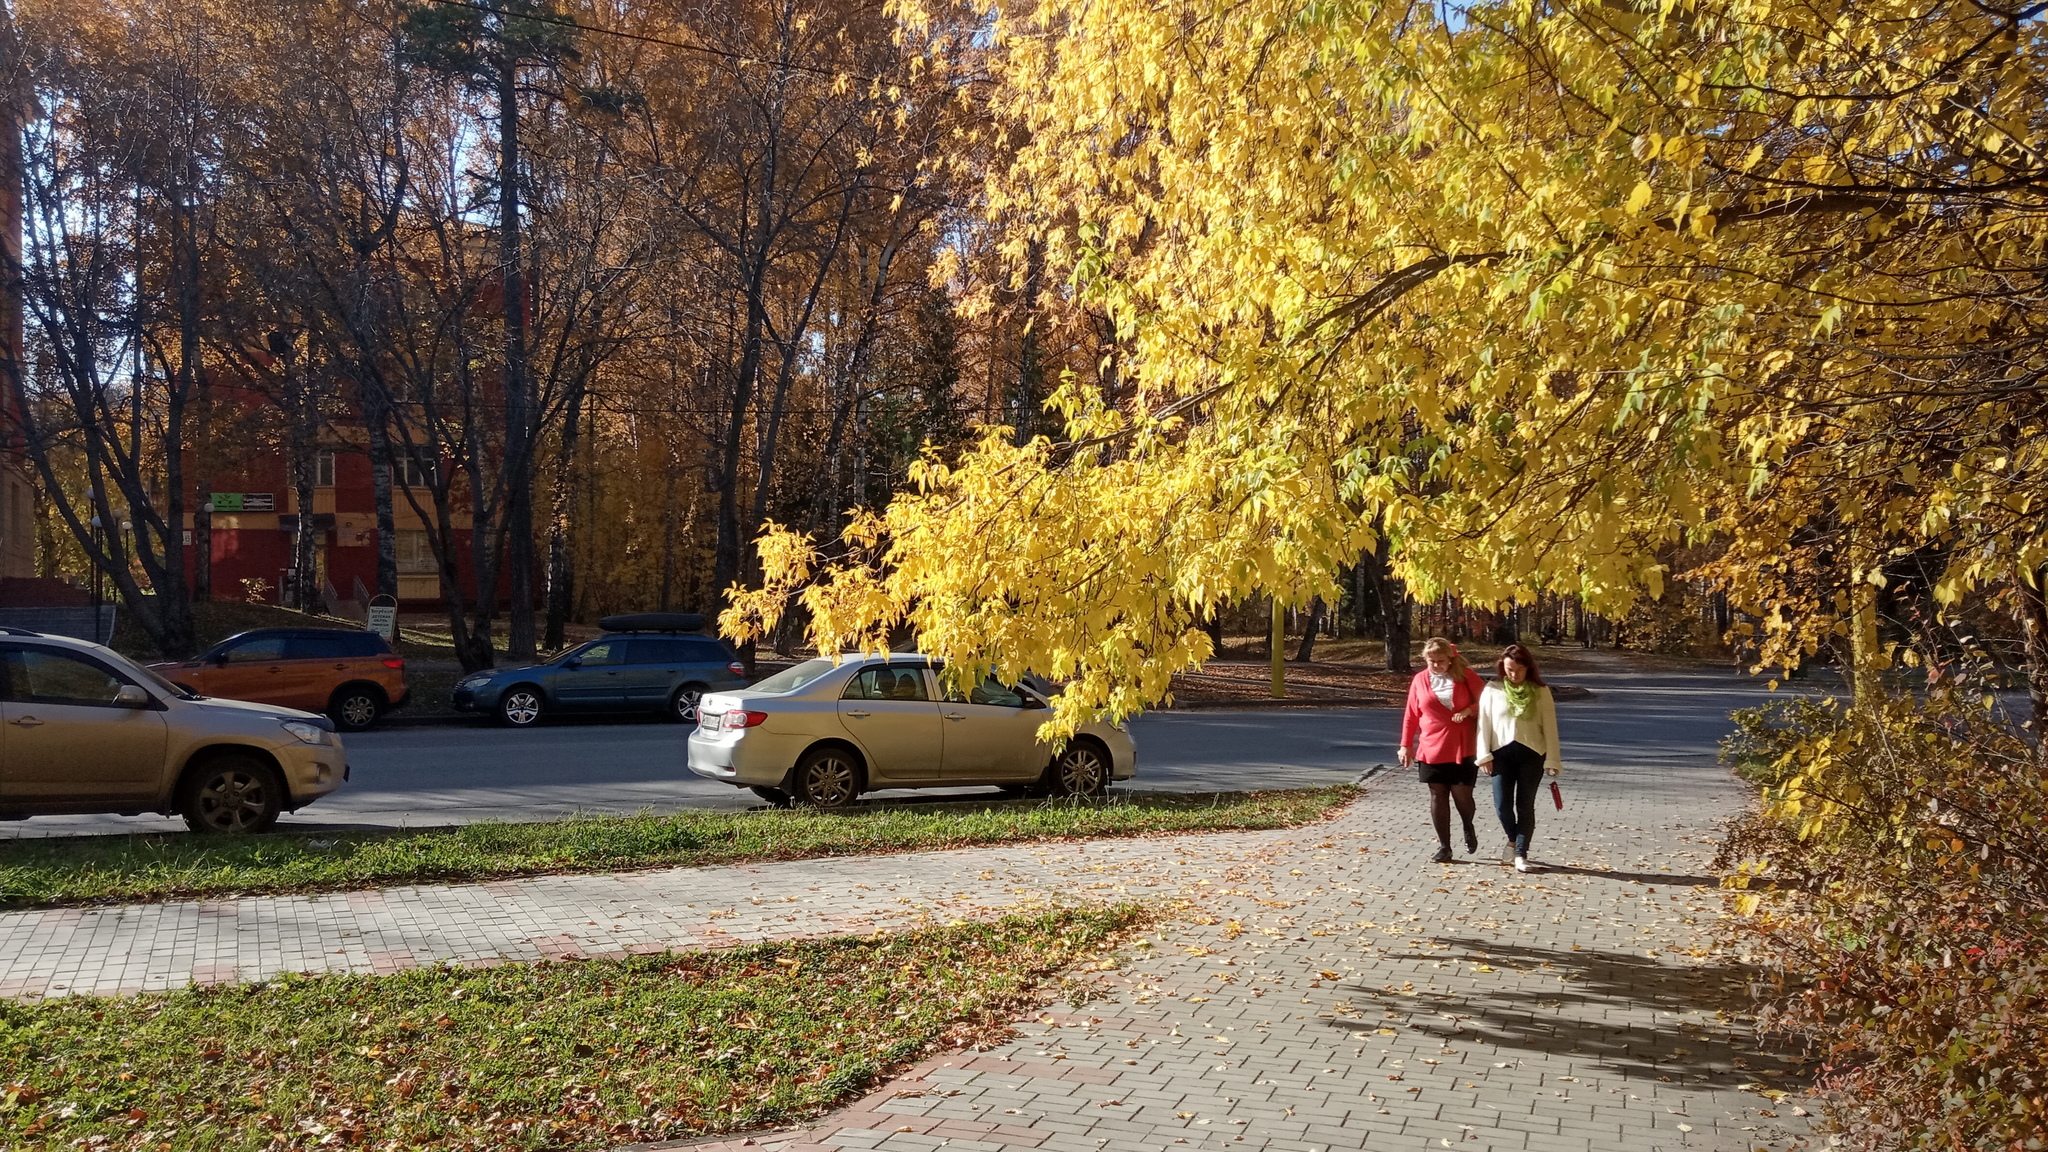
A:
(682, 707)
(775, 796)
(825, 778)
(520, 706)
(232, 795)
(1081, 769)
(354, 709)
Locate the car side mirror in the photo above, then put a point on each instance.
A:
(1031, 702)
(221, 659)
(130, 696)
(573, 662)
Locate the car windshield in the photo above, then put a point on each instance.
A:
(572, 653)
(140, 673)
(167, 686)
(800, 676)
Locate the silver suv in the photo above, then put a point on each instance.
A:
(85, 729)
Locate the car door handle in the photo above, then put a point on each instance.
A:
(29, 722)
(274, 668)
(857, 715)
(956, 716)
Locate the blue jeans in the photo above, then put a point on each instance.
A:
(1517, 775)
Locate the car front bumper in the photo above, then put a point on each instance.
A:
(479, 699)
(311, 770)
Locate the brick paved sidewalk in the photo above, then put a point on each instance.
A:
(122, 949)
(1351, 996)
(1334, 990)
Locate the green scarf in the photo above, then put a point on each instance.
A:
(1520, 696)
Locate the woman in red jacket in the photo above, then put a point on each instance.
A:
(1439, 731)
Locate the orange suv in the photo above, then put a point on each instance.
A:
(354, 677)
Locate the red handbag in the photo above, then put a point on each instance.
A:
(1556, 796)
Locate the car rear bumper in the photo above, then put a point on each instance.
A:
(1123, 754)
(746, 759)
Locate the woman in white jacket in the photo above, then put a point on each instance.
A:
(1517, 742)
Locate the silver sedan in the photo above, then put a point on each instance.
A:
(821, 733)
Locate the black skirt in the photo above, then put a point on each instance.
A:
(1464, 772)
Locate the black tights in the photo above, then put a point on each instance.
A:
(1440, 797)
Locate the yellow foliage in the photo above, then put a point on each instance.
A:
(1538, 291)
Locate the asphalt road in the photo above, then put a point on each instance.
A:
(425, 776)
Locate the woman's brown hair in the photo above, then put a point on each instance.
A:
(1519, 655)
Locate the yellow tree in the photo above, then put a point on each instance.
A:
(1538, 287)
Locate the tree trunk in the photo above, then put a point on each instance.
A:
(381, 476)
(177, 638)
(1866, 657)
(519, 430)
(202, 496)
(561, 572)
(1306, 653)
(301, 451)
(1276, 647)
(1024, 411)
(1394, 605)
(1364, 598)
(668, 528)
(2032, 589)
(730, 546)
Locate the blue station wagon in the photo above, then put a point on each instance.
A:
(646, 669)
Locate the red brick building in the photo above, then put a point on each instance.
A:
(255, 520)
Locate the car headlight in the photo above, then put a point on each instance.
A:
(303, 732)
(473, 681)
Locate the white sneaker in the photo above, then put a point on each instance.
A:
(1521, 863)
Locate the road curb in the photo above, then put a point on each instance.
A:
(1558, 691)
(1561, 691)
(444, 720)
(1284, 702)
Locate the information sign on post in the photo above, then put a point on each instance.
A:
(383, 618)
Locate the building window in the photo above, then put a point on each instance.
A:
(413, 474)
(415, 557)
(323, 470)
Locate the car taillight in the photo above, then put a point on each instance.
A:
(736, 668)
(394, 662)
(739, 718)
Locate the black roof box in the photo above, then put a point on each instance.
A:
(654, 622)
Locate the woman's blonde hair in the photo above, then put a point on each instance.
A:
(1439, 644)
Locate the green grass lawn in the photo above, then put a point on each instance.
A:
(587, 1054)
(98, 869)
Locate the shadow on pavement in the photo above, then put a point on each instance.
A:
(1609, 1009)
(1665, 879)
